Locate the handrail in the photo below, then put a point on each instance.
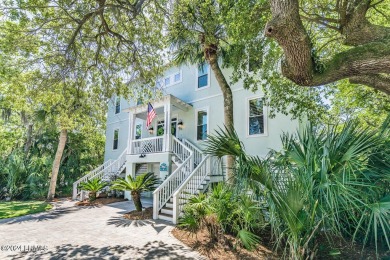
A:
(180, 149)
(194, 180)
(164, 192)
(148, 138)
(105, 169)
(147, 145)
(198, 154)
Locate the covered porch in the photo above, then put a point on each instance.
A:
(159, 136)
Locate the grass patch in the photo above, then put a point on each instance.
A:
(12, 209)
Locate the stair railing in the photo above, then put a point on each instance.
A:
(108, 168)
(180, 149)
(191, 185)
(198, 154)
(165, 191)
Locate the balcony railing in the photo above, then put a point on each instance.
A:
(147, 145)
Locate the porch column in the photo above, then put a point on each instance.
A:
(131, 132)
(167, 126)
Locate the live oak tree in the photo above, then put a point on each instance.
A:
(357, 30)
(85, 51)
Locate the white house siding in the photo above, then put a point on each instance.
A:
(210, 98)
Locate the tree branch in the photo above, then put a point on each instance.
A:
(380, 82)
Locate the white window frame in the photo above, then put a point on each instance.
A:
(265, 118)
(204, 109)
(197, 78)
(116, 100)
(171, 77)
(113, 139)
(181, 77)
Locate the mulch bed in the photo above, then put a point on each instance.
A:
(221, 251)
(139, 215)
(341, 249)
(99, 201)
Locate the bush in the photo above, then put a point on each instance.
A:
(222, 212)
(331, 178)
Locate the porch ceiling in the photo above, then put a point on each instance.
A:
(158, 105)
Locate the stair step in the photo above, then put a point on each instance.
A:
(166, 217)
(166, 210)
(169, 205)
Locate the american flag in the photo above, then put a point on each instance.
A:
(151, 115)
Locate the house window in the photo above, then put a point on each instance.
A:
(139, 101)
(201, 129)
(256, 117)
(203, 75)
(138, 131)
(160, 127)
(173, 126)
(177, 77)
(167, 81)
(116, 139)
(117, 105)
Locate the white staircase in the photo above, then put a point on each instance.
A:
(105, 172)
(192, 176)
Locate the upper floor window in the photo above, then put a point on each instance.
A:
(116, 139)
(201, 125)
(139, 101)
(256, 117)
(167, 81)
(117, 105)
(203, 75)
(177, 77)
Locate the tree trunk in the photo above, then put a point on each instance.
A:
(136, 196)
(367, 63)
(227, 103)
(56, 164)
(28, 143)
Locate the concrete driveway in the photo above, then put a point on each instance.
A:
(70, 232)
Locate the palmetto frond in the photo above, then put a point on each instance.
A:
(141, 183)
(93, 185)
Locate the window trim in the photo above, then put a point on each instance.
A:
(197, 78)
(115, 106)
(113, 139)
(265, 118)
(205, 109)
(171, 79)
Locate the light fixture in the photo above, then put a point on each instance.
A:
(151, 130)
(180, 124)
(142, 155)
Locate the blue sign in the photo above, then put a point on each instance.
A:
(163, 167)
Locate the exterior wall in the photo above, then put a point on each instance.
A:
(209, 98)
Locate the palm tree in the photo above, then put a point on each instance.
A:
(332, 178)
(93, 186)
(141, 183)
(197, 36)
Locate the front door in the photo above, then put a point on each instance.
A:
(160, 127)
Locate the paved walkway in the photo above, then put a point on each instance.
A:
(70, 232)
